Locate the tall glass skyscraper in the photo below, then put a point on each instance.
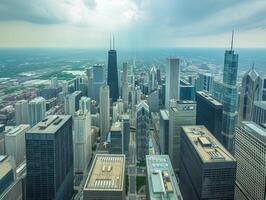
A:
(229, 98)
(112, 76)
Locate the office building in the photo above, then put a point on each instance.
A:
(264, 90)
(164, 131)
(64, 87)
(85, 104)
(207, 169)
(153, 84)
(217, 91)
(153, 101)
(15, 143)
(172, 82)
(49, 157)
(82, 140)
(54, 83)
(250, 153)
(37, 110)
(259, 112)
(125, 84)
(98, 80)
(106, 179)
(72, 102)
(116, 139)
(77, 83)
(125, 132)
(14, 191)
(187, 90)
(104, 111)
(204, 82)
(181, 113)
(22, 112)
(142, 130)
(209, 113)
(162, 183)
(229, 98)
(112, 75)
(7, 172)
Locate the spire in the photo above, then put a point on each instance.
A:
(110, 42)
(232, 40)
(253, 65)
(113, 41)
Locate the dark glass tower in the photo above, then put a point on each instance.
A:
(112, 75)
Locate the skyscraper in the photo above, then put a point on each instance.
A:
(82, 140)
(209, 113)
(142, 130)
(37, 110)
(207, 169)
(104, 111)
(204, 82)
(72, 102)
(259, 112)
(7, 170)
(22, 112)
(49, 157)
(89, 73)
(251, 90)
(85, 104)
(250, 153)
(164, 131)
(116, 139)
(172, 80)
(112, 75)
(98, 80)
(181, 113)
(153, 79)
(126, 132)
(125, 84)
(229, 97)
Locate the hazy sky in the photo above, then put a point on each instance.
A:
(136, 23)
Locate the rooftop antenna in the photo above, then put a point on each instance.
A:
(253, 65)
(232, 40)
(113, 41)
(110, 42)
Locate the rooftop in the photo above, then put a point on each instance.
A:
(258, 130)
(165, 114)
(177, 105)
(50, 124)
(106, 173)
(261, 104)
(209, 98)
(116, 127)
(207, 146)
(37, 100)
(5, 165)
(18, 129)
(162, 182)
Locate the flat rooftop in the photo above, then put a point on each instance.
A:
(207, 146)
(116, 127)
(18, 129)
(258, 130)
(209, 98)
(165, 114)
(162, 182)
(261, 104)
(106, 173)
(50, 124)
(5, 165)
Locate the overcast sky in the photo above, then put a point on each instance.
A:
(135, 23)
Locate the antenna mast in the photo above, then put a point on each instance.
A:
(232, 40)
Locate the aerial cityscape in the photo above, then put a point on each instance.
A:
(104, 111)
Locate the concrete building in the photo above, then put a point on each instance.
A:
(251, 90)
(22, 112)
(250, 153)
(125, 84)
(37, 110)
(7, 172)
(142, 130)
(162, 183)
(125, 132)
(15, 143)
(116, 139)
(164, 131)
(181, 113)
(207, 169)
(85, 104)
(98, 80)
(106, 179)
(72, 102)
(104, 111)
(64, 87)
(172, 81)
(49, 157)
(54, 83)
(153, 101)
(82, 140)
(259, 112)
(209, 113)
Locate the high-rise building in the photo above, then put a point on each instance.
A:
(15, 143)
(7, 169)
(49, 158)
(112, 75)
(164, 131)
(142, 130)
(82, 140)
(204, 82)
(172, 80)
(187, 90)
(116, 139)
(72, 102)
(125, 84)
(98, 80)
(65, 87)
(229, 98)
(153, 84)
(104, 111)
(181, 113)
(22, 112)
(106, 179)
(125, 132)
(251, 90)
(162, 183)
(207, 169)
(153, 101)
(217, 91)
(259, 112)
(209, 113)
(37, 110)
(77, 83)
(54, 83)
(85, 104)
(264, 90)
(250, 153)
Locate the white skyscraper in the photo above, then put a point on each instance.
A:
(82, 140)
(15, 142)
(72, 102)
(54, 82)
(172, 84)
(125, 84)
(104, 111)
(37, 110)
(85, 104)
(65, 87)
(153, 79)
(22, 112)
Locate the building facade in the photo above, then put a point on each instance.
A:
(164, 131)
(259, 112)
(37, 110)
(22, 112)
(104, 111)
